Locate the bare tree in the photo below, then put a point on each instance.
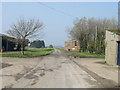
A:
(23, 30)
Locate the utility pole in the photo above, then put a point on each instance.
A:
(96, 30)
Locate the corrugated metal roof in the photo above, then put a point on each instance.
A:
(5, 37)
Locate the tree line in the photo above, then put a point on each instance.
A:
(90, 32)
(37, 44)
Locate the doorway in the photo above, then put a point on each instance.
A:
(118, 60)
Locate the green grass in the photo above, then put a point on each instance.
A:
(86, 54)
(38, 50)
(31, 52)
(62, 49)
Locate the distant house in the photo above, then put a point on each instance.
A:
(7, 43)
(72, 46)
(112, 56)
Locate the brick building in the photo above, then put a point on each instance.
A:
(72, 46)
(112, 56)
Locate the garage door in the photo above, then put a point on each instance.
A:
(118, 61)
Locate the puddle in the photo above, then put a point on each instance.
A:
(42, 74)
(18, 76)
(35, 74)
(65, 62)
(45, 69)
(31, 76)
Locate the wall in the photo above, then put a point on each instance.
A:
(111, 48)
(72, 46)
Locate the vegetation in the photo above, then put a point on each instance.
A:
(23, 30)
(90, 32)
(38, 50)
(86, 54)
(37, 44)
(50, 46)
(62, 49)
(30, 52)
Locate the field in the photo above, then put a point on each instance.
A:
(29, 52)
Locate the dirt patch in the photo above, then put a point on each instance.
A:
(4, 65)
(20, 75)
(94, 83)
(34, 81)
(105, 83)
(9, 86)
(42, 74)
(101, 62)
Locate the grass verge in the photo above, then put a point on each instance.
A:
(86, 54)
(62, 49)
(30, 52)
(83, 54)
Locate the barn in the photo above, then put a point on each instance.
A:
(7, 43)
(112, 52)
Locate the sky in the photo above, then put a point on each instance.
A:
(57, 17)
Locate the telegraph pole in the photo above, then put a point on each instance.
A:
(96, 29)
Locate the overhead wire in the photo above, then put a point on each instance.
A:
(56, 10)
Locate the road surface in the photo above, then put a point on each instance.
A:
(56, 71)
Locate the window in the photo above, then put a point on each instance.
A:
(112, 37)
(75, 43)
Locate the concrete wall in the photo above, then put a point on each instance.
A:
(71, 46)
(111, 47)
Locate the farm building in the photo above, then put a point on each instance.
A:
(72, 46)
(7, 43)
(112, 56)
